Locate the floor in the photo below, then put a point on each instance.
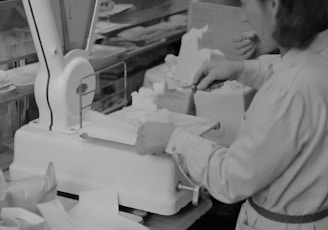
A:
(6, 158)
(213, 222)
(220, 217)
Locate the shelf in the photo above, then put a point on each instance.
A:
(110, 60)
(147, 11)
(17, 96)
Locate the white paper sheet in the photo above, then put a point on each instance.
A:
(191, 58)
(21, 219)
(192, 124)
(98, 210)
(122, 126)
(57, 218)
(27, 192)
(110, 128)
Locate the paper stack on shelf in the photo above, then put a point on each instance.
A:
(101, 52)
(107, 9)
(141, 35)
(106, 13)
(103, 27)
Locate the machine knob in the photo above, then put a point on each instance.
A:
(195, 190)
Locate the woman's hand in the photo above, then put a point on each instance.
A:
(213, 71)
(153, 137)
(246, 44)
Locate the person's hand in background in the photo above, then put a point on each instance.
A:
(246, 44)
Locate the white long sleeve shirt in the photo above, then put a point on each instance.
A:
(280, 156)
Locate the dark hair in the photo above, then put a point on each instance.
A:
(298, 22)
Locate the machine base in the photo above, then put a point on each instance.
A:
(147, 183)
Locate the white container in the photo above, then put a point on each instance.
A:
(226, 104)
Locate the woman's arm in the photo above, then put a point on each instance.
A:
(267, 143)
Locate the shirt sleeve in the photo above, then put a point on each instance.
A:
(257, 71)
(267, 143)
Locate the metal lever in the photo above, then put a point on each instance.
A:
(195, 190)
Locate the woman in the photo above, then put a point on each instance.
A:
(279, 160)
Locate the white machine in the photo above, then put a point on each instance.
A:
(149, 183)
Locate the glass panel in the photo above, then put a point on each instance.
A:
(15, 38)
(73, 19)
(76, 18)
